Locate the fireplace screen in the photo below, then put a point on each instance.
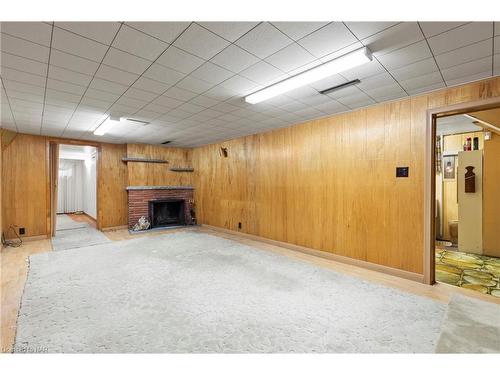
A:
(167, 212)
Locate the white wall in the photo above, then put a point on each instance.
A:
(89, 186)
(77, 180)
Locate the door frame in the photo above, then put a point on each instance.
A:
(430, 176)
(52, 179)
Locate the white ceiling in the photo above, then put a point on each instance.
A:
(188, 79)
(455, 125)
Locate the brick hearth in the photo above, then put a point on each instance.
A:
(139, 197)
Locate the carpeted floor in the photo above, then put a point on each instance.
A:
(193, 292)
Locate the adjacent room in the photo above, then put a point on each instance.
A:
(250, 187)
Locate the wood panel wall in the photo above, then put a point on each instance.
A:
(156, 174)
(491, 196)
(24, 183)
(330, 184)
(112, 179)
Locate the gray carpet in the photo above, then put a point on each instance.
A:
(80, 237)
(470, 326)
(64, 222)
(193, 292)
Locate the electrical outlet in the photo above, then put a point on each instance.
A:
(22, 231)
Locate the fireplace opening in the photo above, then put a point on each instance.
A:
(167, 212)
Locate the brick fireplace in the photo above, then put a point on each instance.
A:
(162, 202)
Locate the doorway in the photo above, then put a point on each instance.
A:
(76, 200)
(465, 221)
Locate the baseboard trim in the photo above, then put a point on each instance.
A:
(325, 255)
(118, 227)
(35, 238)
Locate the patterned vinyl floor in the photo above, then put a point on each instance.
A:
(477, 272)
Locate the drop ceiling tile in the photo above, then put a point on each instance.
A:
(298, 30)
(415, 83)
(435, 86)
(240, 85)
(224, 107)
(263, 73)
(145, 115)
(406, 55)
(394, 38)
(161, 109)
(234, 59)
(179, 60)
(328, 39)
(468, 69)
(200, 42)
(180, 94)
(194, 84)
(112, 87)
(328, 82)
(496, 45)
(68, 75)
(116, 75)
(138, 43)
(36, 32)
(363, 30)
(91, 104)
(331, 107)
(219, 93)
(125, 61)
(357, 101)
(212, 73)
(434, 28)
(163, 74)
(290, 58)
(101, 95)
(102, 32)
(380, 80)
(167, 103)
(496, 64)
(263, 40)
(229, 30)
(369, 69)
(178, 114)
(65, 86)
(138, 94)
(24, 48)
(132, 103)
(191, 108)
(312, 100)
(32, 97)
(66, 41)
(166, 31)
(387, 92)
(347, 91)
(465, 54)
(473, 77)
(23, 77)
(204, 101)
(417, 69)
(23, 88)
(470, 33)
(147, 84)
(20, 63)
(61, 97)
(72, 62)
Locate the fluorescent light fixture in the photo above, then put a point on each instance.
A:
(126, 124)
(107, 125)
(340, 64)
